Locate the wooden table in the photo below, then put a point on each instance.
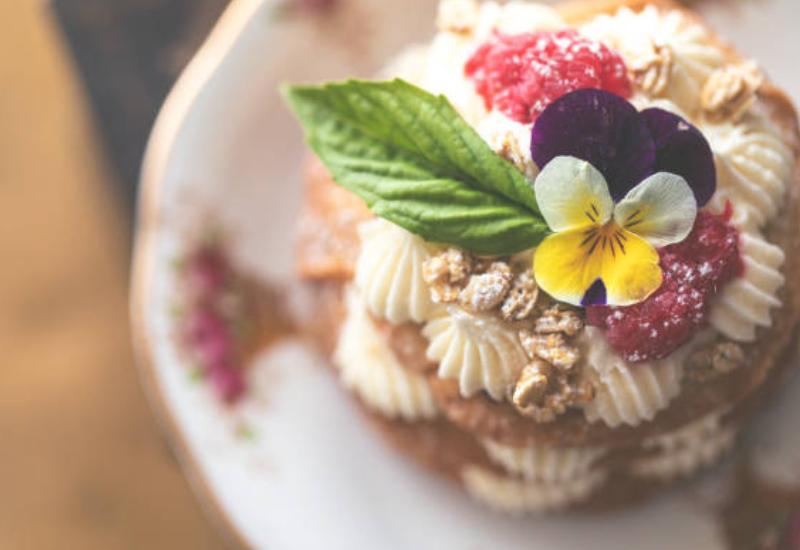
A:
(82, 461)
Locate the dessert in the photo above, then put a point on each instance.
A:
(554, 252)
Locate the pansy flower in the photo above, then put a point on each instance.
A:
(615, 185)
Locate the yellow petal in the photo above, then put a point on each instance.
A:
(630, 268)
(571, 193)
(661, 209)
(566, 264)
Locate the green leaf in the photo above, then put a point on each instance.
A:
(418, 164)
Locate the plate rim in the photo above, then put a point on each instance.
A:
(176, 108)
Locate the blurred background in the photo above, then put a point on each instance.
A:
(82, 461)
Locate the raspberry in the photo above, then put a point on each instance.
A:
(694, 271)
(522, 74)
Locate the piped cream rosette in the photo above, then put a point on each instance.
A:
(370, 369)
(544, 464)
(753, 168)
(388, 273)
(628, 393)
(684, 451)
(480, 351)
(518, 496)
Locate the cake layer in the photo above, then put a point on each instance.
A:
(369, 368)
(597, 479)
(521, 479)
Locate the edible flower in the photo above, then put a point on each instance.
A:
(615, 185)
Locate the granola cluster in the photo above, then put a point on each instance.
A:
(481, 285)
(446, 274)
(650, 71)
(550, 384)
(730, 91)
(716, 360)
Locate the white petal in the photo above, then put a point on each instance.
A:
(572, 193)
(661, 209)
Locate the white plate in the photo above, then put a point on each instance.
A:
(315, 476)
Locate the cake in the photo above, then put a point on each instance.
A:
(553, 253)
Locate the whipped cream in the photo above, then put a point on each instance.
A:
(388, 273)
(368, 367)
(753, 169)
(746, 303)
(690, 435)
(517, 496)
(683, 452)
(629, 393)
(544, 464)
(480, 351)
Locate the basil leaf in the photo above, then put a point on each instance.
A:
(417, 163)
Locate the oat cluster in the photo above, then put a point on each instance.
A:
(447, 274)
(480, 285)
(650, 71)
(550, 384)
(716, 360)
(730, 91)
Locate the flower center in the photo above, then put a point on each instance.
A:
(608, 236)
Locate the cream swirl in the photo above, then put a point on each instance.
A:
(683, 452)
(636, 34)
(544, 464)
(369, 368)
(753, 168)
(689, 435)
(745, 303)
(629, 393)
(480, 351)
(388, 273)
(518, 496)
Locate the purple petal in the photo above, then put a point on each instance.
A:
(681, 149)
(596, 295)
(601, 128)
